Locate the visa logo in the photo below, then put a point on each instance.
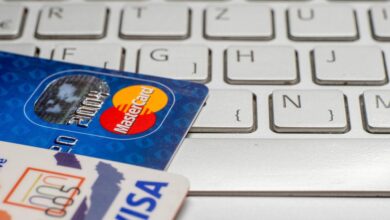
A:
(2, 162)
(134, 202)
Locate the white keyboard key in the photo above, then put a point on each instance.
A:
(186, 62)
(11, 21)
(245, 22)
(261, 65)
(227, 111)
(107, 56)
(380, 20)
(376, 110)
(155, 21)
(322, 23)
(290, 167)
(357, 65)
(309, 111)
(22, 49)
(72, 21)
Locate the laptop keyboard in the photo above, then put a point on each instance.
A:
(276, 69)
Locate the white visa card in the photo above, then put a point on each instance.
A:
(38, 184)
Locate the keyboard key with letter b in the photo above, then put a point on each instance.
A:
(227, 111)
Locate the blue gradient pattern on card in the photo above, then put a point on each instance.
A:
(125, 117)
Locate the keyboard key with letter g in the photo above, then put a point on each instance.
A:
(185, 62)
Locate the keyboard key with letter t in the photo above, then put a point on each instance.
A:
(72, 21)
(155, 22)
(308, 111)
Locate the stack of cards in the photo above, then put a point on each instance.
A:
(67, 110)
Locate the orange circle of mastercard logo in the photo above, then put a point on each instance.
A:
(134, 109)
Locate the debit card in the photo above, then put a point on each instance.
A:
(125, 117)
(44, 184)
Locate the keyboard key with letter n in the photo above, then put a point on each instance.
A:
(308, 111)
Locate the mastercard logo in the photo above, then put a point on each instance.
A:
(134, 110)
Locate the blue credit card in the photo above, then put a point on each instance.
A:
(125, 117)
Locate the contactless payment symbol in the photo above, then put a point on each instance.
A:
(134, 109)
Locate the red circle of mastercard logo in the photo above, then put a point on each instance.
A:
(134, 109)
